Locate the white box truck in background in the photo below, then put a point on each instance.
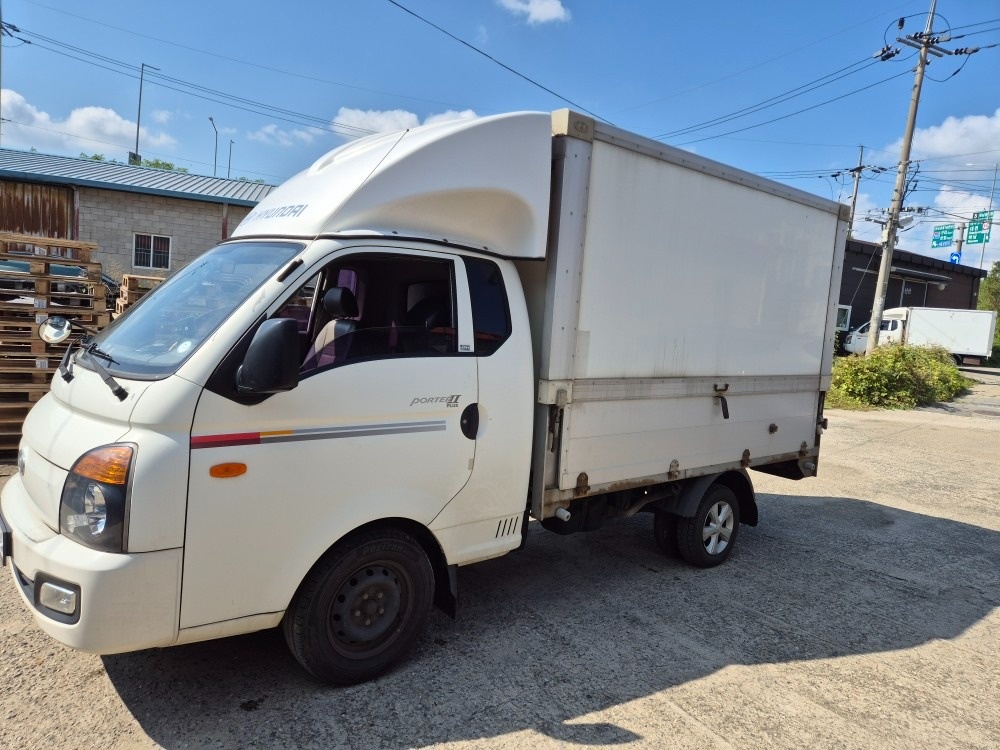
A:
(400, 355)
(966, 334)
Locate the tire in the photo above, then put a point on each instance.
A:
(957, 359)
(361, 608)
(665, 532)
(707, 539)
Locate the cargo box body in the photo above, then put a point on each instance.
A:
(683, 319)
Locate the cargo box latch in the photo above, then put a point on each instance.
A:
(720, 393)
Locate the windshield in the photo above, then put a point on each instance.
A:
(155, 337)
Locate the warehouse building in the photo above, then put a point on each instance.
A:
(143, 220)
(914, 281)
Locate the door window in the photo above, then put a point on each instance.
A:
(374, 306)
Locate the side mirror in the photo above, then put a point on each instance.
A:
(271, 364)
(55, 330)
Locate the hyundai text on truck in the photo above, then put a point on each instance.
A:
(404, 353)
(966, 334)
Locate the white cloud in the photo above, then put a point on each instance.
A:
(956, 159)
(376, 121)
(162, 116)
(387, 121)
(272, 135)
(867, 231)
(957, 135)
(89, 129)
(450, 115)
(537, 11)
(482, 35)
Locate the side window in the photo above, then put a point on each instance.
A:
(150, 251)
(375, 306)
(490, 311)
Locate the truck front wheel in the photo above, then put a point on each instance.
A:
(707, 539)
(361, 608)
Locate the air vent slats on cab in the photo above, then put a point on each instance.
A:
(508, 526)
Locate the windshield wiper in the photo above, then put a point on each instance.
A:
(93, 349)
(60, 328)
(113, 384)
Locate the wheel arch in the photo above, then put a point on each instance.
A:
(445, 578)
(737, 480)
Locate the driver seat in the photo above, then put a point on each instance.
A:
(334, 338)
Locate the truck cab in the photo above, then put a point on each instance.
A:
(891, 331)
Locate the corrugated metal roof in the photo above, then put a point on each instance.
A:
(67, 170)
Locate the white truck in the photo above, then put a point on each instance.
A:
(966, 334)
(401, 355)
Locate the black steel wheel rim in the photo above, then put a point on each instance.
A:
(368, 608)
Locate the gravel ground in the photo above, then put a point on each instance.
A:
(862, 612)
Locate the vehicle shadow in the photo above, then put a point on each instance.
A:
(574, 625)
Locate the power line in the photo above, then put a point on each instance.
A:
(797, 112)
(165, 157)
(493, 59)
(252, 106)
(970, 25)
(761, 64)
(246, 62)
(773, 101)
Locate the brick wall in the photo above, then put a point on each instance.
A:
(111, 218)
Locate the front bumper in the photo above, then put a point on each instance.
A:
(123, 602)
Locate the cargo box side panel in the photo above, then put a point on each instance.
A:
(686, 273)
(959, 331)
(666, 427)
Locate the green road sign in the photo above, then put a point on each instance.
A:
(978, 233)
(982, 216)
(944, 234)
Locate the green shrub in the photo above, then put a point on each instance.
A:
(895, 377)
(994, 359)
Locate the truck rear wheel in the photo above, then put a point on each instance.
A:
(707, 539)
(361, 608)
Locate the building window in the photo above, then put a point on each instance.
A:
(151, 251)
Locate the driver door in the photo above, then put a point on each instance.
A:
(371, 432)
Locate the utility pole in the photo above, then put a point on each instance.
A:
(854, 195)
(961, 239)
(927, 44)
(2, 32)
(134, 158)
(215, 163)
(989, 218)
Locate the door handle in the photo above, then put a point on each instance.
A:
(470, 421)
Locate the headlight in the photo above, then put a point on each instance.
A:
(92, 510)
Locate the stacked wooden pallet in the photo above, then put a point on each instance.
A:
(39, 277)
(133, 288)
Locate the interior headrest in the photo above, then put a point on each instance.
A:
(339, 302)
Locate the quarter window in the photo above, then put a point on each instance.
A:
(151, 251)
(490, 313)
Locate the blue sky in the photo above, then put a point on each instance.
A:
(287, 83)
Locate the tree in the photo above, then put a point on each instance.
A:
(989, 296)
(160, 164)
(989, 289)
(154, 163)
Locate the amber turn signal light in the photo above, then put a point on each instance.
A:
(227, 471)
